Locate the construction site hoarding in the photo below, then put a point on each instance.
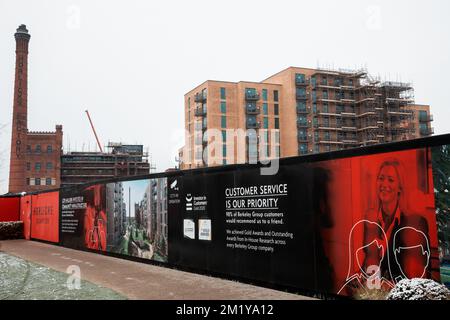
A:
(342, 223)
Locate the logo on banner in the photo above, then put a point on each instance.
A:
(174, 185)
(189, 228)
(188, 202)
(204, 229)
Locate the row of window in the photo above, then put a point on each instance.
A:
(41, 181)
(38, 149)
(38, 166)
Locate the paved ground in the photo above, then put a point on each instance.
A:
(24, 280)
(138, 280)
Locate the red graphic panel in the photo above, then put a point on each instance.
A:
(45, 217)
(95, 218)
(25, 215)
(9, 209)
(384, 220)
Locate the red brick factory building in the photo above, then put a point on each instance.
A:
(35, 156)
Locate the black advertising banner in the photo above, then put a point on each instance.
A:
(252, 226)
(341, 226)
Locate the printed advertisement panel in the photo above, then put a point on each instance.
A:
(128, 218)
(9, 209)
(83, 218)
(137, 218)
(45, 216)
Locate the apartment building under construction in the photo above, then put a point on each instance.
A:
(298, 111)
(120, 161)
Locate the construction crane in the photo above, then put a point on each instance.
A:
(95, 133)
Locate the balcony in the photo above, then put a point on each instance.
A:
(301, 82)
(252, 96)
(302, 110)
(253, 109)
(199, 97)
(350, 141)
(302, 138)
(199, 112)
(427, 132)
(347, 128)
(253, 125)
(428, 118)
(302, 124)
(301, 96)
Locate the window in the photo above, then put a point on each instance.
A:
(28, 181)
(325, 107)
(339, 108)
(277, 123)
(49, 149)
(301, 92)
(327, 136)
(266, 123)
(223, 94)
(316, 136)
(28, 149)
(264, 94)
(301, 106)
(37, 166)
(265, 108)
(276, 109)
(315, 122)
(324, 81)
(49, 166)
(301, 120)
(38, 148)
(326, 122)
(314, 96)
(350, 82)
(303, 148)
(313, 81)
(325, 94)
(189, 103)
(37, 181)
(327, 148)
(48, 181)
(223, 107)
(28, 166)
(314, 108)
(302, 133)
(316, 148)
(224, 136)
(223, 121)
(275, 95)
(299, 78)
(423, 116)
(224, 150)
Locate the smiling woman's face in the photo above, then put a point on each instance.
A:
(388, 184)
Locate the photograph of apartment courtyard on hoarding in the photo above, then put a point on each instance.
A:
(137, 218)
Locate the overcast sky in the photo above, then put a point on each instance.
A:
(130, 62)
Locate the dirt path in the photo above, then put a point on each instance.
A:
(138, 280)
